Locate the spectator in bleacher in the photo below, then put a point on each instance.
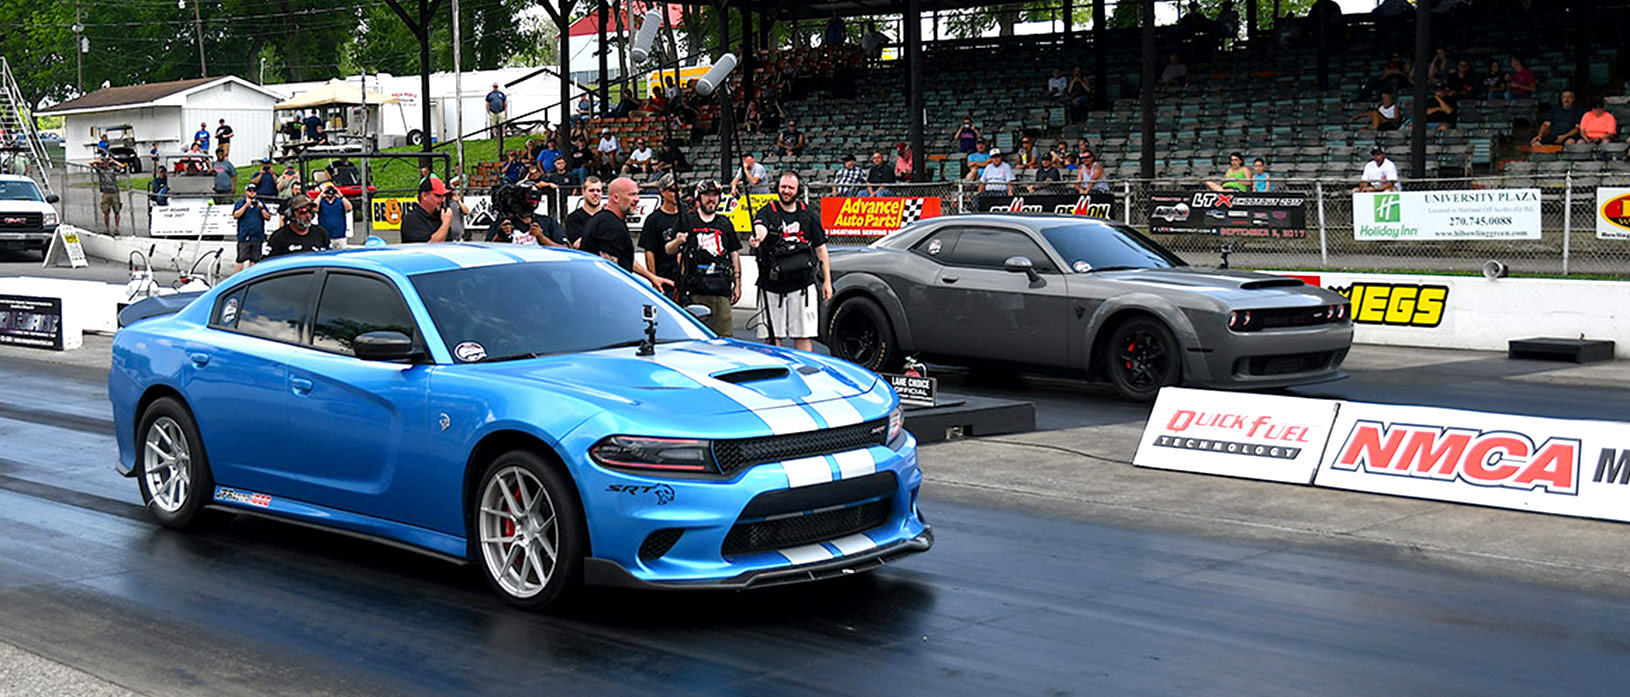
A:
(561, 183)
(1380, 174)
(1386, 116)
(1072, 165)
(1235, 178)
(1598, 124)
(751, 177)
(513, 169)
(1261, 181)
(1438, 69)
(1047, 176)
(608, 152)
(1461, 82)
(580, 157)
(977, 159)
(903, 162)
(1394, 79)
(848, 180)
(1175, 74)
(1079, 95)
(752, 121)
(966, 136)
(672, 158)
(640, 160)
(547, 156)
(997, 176)
(1089, 175)
(1440, 109)
(1496, 82)
(879, 176)
(1057, 85)
(1562, 126)
(1060, 149)
(497, 104)
(1024, 157)
(872, 43)
(585, 109)
(1523, 83)
(835, 34)
(791, 140)
(1082, 147)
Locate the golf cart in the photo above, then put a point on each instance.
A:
(122, 145)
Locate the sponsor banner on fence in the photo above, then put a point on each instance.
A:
(35, 322)
(871, 216)
(1099, 205)
(1488, 214)
(192, 218)
(1236, 434)
(1613, 213)
(1228, 213)
(1388, 301)
(1565, 467)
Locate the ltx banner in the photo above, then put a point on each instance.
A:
(1229, 213)
(1092, 205)
(873, 216)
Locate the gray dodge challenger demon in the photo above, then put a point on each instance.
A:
(1081, 297)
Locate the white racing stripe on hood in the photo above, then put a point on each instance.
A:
(469, 257)
(836, 412)
(806, 554)
(805, 471)
(852, 544)
(781, 415)
(855, 463)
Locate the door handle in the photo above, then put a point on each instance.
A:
(301, 386)
(200, 359)
(950, 279)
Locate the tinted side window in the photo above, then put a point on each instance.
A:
(276, 307)
(227, 310)
(938, 245)
(989, 248)
(353, 304)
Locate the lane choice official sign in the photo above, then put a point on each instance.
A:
(1526, 463)
(1254, 436)
(1416, 216)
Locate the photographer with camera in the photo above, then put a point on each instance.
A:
(709, 257)
(251, 215)
(333, 214)
(514, 207)
(791, 250)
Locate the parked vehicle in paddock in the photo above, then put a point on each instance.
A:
(1077, 296)
(594, 433)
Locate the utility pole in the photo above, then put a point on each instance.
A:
(198, 30)
(79, 49)
(458, 96)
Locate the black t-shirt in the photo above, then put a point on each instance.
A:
(224, 134)
(575, 221)
(419, 224)
(607, 234)
(1564, 120)
(1439, 116)
(521, 224)
(880, 174)
(660, 227)
(285, 241)
(1460, 85)
(709, 242)
(1047, 174)
(581, 156)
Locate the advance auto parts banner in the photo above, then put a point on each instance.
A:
(1229, 213)
(1098, 205)
(1267, 437)
(1565, 467)
(1492, 214)
(874, 216)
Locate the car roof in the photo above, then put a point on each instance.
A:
(15, 178)
(415, 259)
(1031, 219)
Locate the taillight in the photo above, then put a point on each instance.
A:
(1338, 312)
(1240, 321)
(679, 455)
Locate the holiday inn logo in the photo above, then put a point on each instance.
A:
(1388, 208)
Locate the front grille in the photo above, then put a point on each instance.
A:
(768, 535)
(658, 543)
(20, 221)
(1279, 318)
(732, 455)
(1285, 364)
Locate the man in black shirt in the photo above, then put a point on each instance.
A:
(428, 222)
(879, 175)
(1047, 177)
(1562, 126)
(606, 232)
(710, 259)
(660, 227)
(787, 224)
(299, 234)
(593, 198)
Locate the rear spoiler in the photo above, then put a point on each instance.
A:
(156, 306)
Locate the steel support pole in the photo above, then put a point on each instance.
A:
(424, 79)
(914, 53)
(1146, 159)
(727, 115)
(601, 13)
(1324, 245)
(458, 94)
(564, 23)
(1423, 57)
(1100, 59)
(1567, 223)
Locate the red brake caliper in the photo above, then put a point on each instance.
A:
(1130, 348)
(509, 526)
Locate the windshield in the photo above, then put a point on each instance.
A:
(521, 310)
(19, 191)
(1087, 246)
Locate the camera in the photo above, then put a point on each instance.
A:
(514, 200)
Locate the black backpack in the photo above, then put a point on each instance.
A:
(785, 265)
(706, 273)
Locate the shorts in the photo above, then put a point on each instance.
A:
(721, 321)
(789, 315)
(250, 251)
(111, 203)
(338, 242)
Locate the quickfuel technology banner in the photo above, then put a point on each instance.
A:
(1612, 213)
(1491, 214)
(874, 216)
(1091, 205)
(1230, 213)
(1255, 436)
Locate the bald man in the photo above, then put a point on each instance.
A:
(606, 233)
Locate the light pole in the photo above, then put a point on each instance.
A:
(198, 31)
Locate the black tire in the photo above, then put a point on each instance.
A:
(1141, 357)
(415, 137)
(859, 331)
(168, 425)
(510, 571)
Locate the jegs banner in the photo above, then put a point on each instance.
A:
(1229, 213)
(874, 216)
(1092, 205)
(1490, 214)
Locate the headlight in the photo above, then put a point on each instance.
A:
(658, 454)
(897, 423)
(50, 218)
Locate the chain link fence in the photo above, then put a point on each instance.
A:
(83, 200)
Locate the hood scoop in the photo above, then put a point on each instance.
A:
(1272, 283)
(750, 375)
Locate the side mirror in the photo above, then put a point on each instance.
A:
(1022, 265)
(52, 198)
(384, 346)
(701, 312)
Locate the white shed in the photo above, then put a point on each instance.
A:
(167, 114)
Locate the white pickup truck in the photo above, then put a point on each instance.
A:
(27, 219)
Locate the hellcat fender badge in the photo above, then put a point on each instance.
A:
(444, 421)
